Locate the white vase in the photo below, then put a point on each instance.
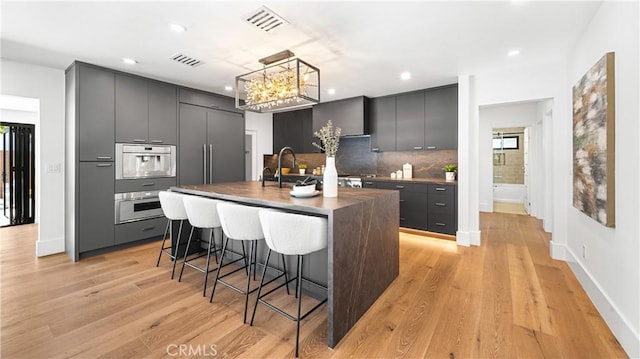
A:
(450, 176)
(330, 178)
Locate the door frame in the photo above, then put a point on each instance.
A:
(254, 150)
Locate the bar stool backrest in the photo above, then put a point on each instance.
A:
(240, 222)
(202, 212)
(172, 205)
(293, 234)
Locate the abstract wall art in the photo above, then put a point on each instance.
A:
(593, 142)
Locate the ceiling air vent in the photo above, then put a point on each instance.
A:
(265, 19)
(187, 60)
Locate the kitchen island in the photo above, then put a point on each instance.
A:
(363, 253)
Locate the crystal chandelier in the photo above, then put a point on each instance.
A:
(283, 83)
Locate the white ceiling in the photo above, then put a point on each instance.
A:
(360, 47)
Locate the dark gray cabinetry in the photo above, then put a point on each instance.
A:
(163, 113)
(211, 146)
(208, 100)
(383, 123)
(95, 116)
(442, 209)
(441, 118)
(146, 111)
(410, 122)
(95, 205)
(351, 115)
(146, 184)
(134, 231)
(132, 109)
(424, 206)
(293, 129)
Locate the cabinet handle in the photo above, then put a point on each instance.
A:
(148, 228)
(214, 106)
(157, 141)
(440, 224)
(103, 157)
(440, 189)
(440, 204)
(431, 147)
(210, 163)
(402, 200)
(104, 165)
(402, 218)
(375, 149)
(139, 140)
(417, 147)
(204, 164)
(368, 182)
(148, 184)
(400, 187)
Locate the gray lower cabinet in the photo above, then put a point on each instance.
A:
(383, 124)
(410, 122)
(135, 231)
(424, 206)
(95, 114)
(211, 146)
(96, 211)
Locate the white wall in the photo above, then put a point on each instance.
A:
(500, 116)
(610, 273)
(261, 124)
(47, 85)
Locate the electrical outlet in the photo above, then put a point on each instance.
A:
(584, 251)
(54, 168)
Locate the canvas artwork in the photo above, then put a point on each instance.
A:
(593, 142)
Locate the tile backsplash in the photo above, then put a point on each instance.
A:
(355, 158)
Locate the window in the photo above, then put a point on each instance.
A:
(506, 143)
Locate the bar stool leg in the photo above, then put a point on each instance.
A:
(215, 249)
(284, 266)
(246, 294)
(175, 254)
(164, 239)
(264, 272)
(206, 271)
(184, 260)
(215, 282)
(299, 291)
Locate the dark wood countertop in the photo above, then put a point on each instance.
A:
(271, 196)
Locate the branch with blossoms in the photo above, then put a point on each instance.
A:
(330, 139)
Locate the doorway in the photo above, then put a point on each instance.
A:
(18, 173)
(510, 149)
(248, 156)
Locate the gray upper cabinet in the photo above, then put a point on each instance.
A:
(132, 109)
(351, 115)
(96, 212)
(293, 129)
(211, 146)
(163, 113)
(95, 113)
(208, 100)
(146, 111)
(410, 122)
(383, 124)
(441, 118)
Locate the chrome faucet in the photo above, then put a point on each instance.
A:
(280, 163)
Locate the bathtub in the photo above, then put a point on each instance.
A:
(512, 193)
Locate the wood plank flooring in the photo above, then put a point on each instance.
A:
(505, 299)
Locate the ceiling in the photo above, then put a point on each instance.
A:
(360, 47)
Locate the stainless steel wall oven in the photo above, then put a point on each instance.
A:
(136, 206)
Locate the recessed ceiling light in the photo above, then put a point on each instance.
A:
(228, 88)
(405, 75)
(129, 61)
(177, 27)
(331, 91)
(513, 52)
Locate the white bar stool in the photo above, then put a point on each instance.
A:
(241, 223)
(291, 234)
(173, 208)
(201, 213)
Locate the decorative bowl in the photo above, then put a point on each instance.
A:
(285, 171)
(304, 189)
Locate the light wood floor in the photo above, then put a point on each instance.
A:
(506, 207)
(505, 299)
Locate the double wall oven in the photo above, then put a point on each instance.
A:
(142, 162)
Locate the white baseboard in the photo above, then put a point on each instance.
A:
(558, 251)
(617, 322)
(50, 246)
(507, 200)
(468, 238)
(474, 238)
(486, 207)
